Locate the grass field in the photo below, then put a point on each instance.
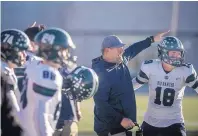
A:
(190, 110)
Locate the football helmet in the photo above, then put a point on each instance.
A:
(171, 43)
(55, 44)
(13, 44)
(82, 83)
(33, 30)
(31, 33)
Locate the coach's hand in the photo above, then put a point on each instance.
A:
(159, 36)
(127, 123)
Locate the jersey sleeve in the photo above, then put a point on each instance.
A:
(191, 79)
(143, 75)
(11, 82)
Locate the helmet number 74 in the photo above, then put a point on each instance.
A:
(8, 38)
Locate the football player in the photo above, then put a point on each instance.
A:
(41, 94)
(167, 78)
(31, 33)
(33, 48)
(14, 43)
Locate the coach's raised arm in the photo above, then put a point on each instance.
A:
(115, 105)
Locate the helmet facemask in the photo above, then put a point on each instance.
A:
(56, 54)
(12, 54)
(70, 63)
(163, 54)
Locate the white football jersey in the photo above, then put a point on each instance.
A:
(166, 91)
(40, 99)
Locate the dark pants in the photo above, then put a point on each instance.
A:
(104, 133)
(177, 129)
(123, 133)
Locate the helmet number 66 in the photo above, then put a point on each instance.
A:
(48, 38)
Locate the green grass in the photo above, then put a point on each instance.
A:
(190, 110)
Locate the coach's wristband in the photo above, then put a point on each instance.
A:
(152, 39)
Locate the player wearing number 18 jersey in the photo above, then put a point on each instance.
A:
(166, 79)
